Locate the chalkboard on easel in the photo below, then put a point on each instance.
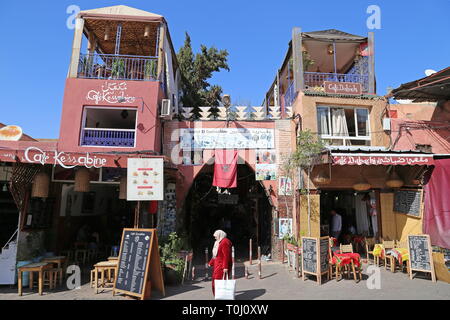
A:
(408, 201)
(315, 257)
(420, 255)
(139, 267)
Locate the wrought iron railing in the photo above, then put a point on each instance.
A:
(108, 137)
(316, 79)
(290, 95)
(117, 67)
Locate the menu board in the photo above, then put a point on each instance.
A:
(139, 264)
(309, 255)
(133, 260)
(145, 179)
(324, 252)
(408, 201)
(420, 254)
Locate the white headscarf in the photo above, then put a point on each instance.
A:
(219, 235)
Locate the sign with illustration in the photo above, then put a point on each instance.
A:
(11, 133)
(266, 165)
(285, 186)
(227, 138)
(145, 179)
(110, 92)
(284, 227)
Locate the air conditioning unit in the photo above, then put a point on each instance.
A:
(166, 108)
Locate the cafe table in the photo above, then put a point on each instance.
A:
(346, 259)
(38, 267)
(102, 267)
(398, 254)
(59, 261)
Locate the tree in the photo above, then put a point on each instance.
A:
(196, 70)
(305, 157)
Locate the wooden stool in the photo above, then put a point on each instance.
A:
(50, 278)
(107, 267)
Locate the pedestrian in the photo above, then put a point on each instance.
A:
(336, 224)
(221, 261)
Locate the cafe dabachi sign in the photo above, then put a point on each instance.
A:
(342, 87)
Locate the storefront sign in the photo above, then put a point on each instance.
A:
(110, 92)
(145, 179)
(36, 155)
(227, 138)
(11, 133)
(385, 160)
(342, 87)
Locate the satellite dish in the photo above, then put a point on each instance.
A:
(429, 72)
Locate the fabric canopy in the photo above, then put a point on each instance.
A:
(436, 221)
(225, 168)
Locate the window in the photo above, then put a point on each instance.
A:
(344, 126)
(106, 127)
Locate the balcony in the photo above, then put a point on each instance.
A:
(316, 79)
(117, 67)
(121, 138)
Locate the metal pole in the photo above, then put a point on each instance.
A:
(297, 264)
(206, 263)
(232, 259)
(250, 252)
(282, 251)
(259, 261)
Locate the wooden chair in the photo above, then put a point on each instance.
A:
(388, 245)
(369, 244)
(50, 278)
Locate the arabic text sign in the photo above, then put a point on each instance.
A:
(145, 179)
(227, 138)
(382, 160)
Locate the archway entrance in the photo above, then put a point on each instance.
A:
(244, 213)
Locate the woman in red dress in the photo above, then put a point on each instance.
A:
(222, 260)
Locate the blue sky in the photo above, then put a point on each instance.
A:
(36, 44)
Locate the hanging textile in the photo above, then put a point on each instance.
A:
(323, 121)
(362, 221)
(436, 220)
(225, 168)
(339, 123)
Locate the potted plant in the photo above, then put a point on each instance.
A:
(118, 69)
(172, 264)
(150, 70)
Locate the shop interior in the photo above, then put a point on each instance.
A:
(244, 213)
(357, 209)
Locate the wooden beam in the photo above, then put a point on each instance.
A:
(371, 44)
(162, 34)
(297, 58)
(76, 48)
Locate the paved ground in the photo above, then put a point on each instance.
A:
(278, 283)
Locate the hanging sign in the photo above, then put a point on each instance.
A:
(145, 179)
(11, 133)
(342, 87)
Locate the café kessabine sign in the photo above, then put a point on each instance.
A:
(110, 92)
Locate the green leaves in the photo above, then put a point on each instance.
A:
(196, 70)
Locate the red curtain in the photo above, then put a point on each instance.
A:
(436, 220)
(225, 168)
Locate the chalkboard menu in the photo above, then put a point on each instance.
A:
(408, 201)
(324, 247)
(134, 255)
(309, 255)
(420, 254)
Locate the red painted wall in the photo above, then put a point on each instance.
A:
(89, 92)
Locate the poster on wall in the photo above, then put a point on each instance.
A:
(285, 186)
(145, 179)
(284, 227)
(266, 165)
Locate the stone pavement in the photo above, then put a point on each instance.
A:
(278, 283)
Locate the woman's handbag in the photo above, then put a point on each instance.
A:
(225, 289)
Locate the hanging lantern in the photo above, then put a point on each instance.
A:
(330, 49)
(82, 180)
(147, 31)
(362, 184)
(107, 33)
(41, 184)
(322, 178)
(394, 181)
(123, 188)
